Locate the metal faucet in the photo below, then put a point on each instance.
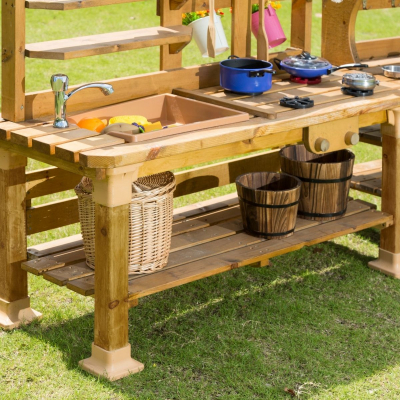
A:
(59, 85)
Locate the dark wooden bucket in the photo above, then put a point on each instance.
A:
(325, 181)
(268, 203)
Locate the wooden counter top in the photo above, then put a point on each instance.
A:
(89, 151)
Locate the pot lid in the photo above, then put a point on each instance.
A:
(358, 77)
(306, 61)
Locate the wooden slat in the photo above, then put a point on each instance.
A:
(55, 246)
(40, 265)
(7, 126)
(51, 215)
(47, 144)
(224, 173)
(105, 43)
(48, 181)
(24, 137)
(61, 276)
(70, 151)
(64, 5)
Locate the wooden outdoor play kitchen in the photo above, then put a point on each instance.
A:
(305, 112)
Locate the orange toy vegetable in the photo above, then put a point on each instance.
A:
(93, 124)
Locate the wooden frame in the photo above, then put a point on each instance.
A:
(113, 169)
(342, 48)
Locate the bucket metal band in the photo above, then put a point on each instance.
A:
(308, 180)
(271, 234)
(268, 205)
(307, 214)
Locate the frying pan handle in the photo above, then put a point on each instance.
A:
(333, 69)
(260, 73)
(277, 61)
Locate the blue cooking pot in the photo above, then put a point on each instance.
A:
(246, 75)
(307, 66)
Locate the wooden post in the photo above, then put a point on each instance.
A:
(241, 28)
(13, 60)
(338, 43)
(169, 18)
(111, 352)
(14, 299)
(301, 24)
(389, 251)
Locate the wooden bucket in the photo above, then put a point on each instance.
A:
(268, 203)
(325, 181)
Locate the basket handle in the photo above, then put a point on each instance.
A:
(211, 38)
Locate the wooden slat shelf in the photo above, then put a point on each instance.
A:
(65, 49)
(65, 5)
(367, 177)
(203, 244)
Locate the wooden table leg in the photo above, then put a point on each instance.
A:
(14, 300)
(111, 352)
(389, 251)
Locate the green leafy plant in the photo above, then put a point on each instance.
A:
(189, 17)
(274, 4)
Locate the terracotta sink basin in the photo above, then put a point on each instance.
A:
(187, 114)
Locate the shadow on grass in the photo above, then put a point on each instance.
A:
(317, 315)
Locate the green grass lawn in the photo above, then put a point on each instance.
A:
(317, 323)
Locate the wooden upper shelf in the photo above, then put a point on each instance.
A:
(175, 36)
(64, 5)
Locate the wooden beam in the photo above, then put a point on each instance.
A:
(338, 31)
(378, 48)
(13, 60)
(301, 24)
(51, 215)
(224, 173)
(48, 181)
(13, 281)
(168, 18)
(241, 28)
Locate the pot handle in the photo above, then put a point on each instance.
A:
(333, 69)
(277, 61)
(260, 73)
(232, 56)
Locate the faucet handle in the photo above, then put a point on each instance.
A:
(59, 82)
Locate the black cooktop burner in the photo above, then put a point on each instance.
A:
(356, 92)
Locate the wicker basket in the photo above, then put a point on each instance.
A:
(150, 222)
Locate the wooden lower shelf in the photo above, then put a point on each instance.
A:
(207, 240)
(367, 177)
